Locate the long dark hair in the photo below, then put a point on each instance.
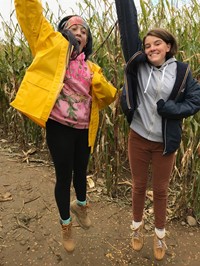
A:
(70, 37)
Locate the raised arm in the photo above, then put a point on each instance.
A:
(34, 25)
(128, 26)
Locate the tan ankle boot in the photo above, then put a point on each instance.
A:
(138, 238)
(81, 214)
(68, 241)
(159, 247)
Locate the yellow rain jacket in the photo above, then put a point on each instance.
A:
(43, 80)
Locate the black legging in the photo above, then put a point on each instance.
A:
(70, 154)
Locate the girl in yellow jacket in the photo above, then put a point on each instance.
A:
(63, 91)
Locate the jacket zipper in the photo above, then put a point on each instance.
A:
(179, 92)
(69, 51)
(125, 77)
(165, 137)
(183, 83)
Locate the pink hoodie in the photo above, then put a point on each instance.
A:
(73, 105)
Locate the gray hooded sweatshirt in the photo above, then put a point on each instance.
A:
(153, 84)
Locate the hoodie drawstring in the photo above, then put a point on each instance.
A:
(161, 82)
(148, 80)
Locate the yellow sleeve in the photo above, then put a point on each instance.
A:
(34, 25)
(102, 89)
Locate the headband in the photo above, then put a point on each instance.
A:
(76, 21)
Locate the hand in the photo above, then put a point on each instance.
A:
(160, 103)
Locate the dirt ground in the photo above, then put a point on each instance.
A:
(30, 230)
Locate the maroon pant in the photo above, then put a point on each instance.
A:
(143, 154)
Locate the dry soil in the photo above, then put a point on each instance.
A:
(30, 230)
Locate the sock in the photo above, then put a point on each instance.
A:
(66, 221)
(81, 203)
(136, 225)
(160, 232)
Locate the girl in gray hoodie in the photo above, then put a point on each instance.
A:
(158, 93)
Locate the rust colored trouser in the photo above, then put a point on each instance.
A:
(142, 154)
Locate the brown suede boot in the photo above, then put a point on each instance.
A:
(81, 214)
(68, 241)
(138, 238)
(159, 247)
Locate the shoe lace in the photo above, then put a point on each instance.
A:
(84, 210)
(66, 230)
(137, 234)
(161, 243)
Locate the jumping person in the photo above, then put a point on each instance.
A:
(63, 91)
(158, 93)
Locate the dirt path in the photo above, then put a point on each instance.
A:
(30, 231)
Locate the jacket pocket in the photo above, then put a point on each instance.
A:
(36, 96)
(173, 135)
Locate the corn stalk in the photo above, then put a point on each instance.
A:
(110, 159)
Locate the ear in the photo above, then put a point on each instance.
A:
(169, 47)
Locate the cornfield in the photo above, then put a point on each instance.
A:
(110, 161)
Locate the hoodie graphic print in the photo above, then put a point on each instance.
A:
(73, 105)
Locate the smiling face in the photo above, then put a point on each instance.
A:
(156, 49)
